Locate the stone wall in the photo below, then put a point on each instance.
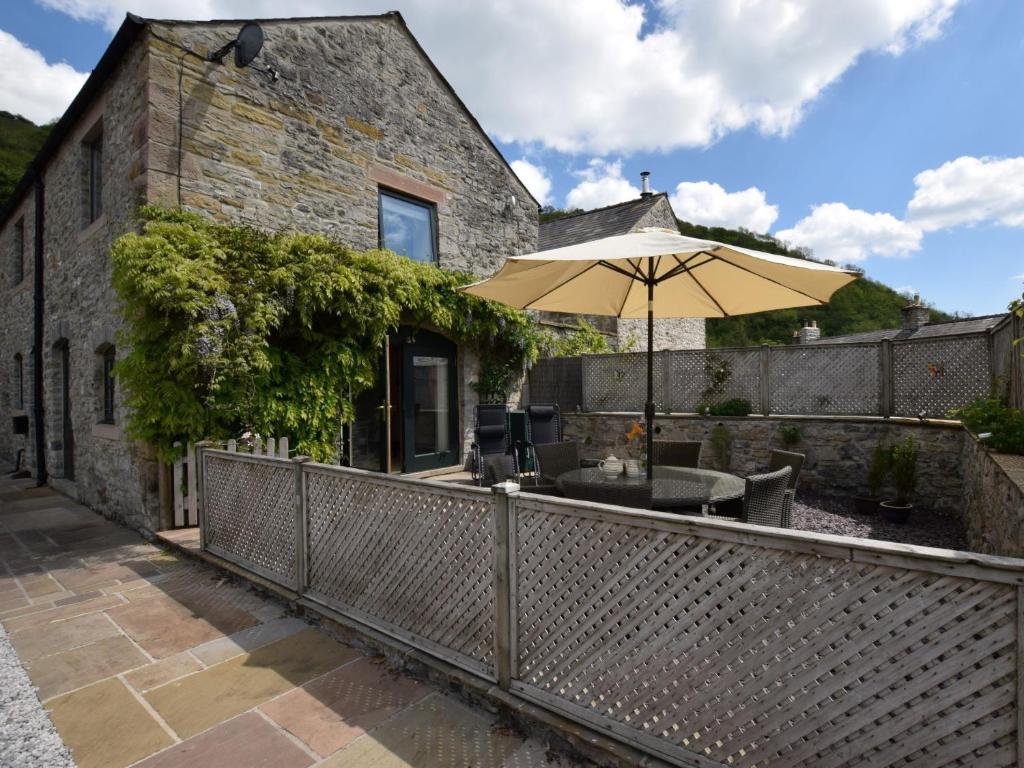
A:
(109, 473)
(993, 506)
(838, 450)
(671, 333)
(356, 107)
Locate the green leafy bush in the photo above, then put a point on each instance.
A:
(878, 469)
(791, 434)
(721, 446)
(734, 407)
(992, 415)
(585, 339)
(903, 469)
(231, 328)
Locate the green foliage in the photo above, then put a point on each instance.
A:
(232, 329)
(863, 305)
(791, 435)
(585, 339)
(20, 140)
(878, 469)
(734, 407)
(992, 415)
(721, 446)
(903, 469)
(719, 371)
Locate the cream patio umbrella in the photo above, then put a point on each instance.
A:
(656, 273)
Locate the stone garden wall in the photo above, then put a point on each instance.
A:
(993, 508)
(838, 449)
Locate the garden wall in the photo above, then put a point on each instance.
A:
(838, 449)
(993, 508)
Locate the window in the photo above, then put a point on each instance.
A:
(109, 355)
(94, 178)
(18, 260)
(407, 227)
(19, 382)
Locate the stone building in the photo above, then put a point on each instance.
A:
(341, 126)
(649, 210)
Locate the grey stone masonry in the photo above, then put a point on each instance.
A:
(356, 107)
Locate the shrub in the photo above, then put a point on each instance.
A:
(791, 435)
(992, 415)
(903, 467)
(734, 407)
(878, 469)
(721, 444)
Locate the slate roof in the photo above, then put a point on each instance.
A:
(583, 227)
(929, 331)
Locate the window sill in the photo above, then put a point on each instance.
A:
(106, 431)
(90, 231)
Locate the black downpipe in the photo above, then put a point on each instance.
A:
(37, 333)
(649, 405)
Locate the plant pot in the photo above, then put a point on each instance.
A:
(893, 512)
(865, 505)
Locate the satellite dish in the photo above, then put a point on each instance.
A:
(247, 45)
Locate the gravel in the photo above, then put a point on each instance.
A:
(27, 737)
(822, 514)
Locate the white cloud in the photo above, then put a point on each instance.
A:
(906, 290)
(31, 87)
(969, 190)
(534, 178)
(579, 75)
(1018, 278)
(602, 185)
(834, 231)
(704, 202)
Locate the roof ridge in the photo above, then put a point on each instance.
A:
(577, 214)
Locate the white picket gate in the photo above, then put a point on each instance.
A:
(186, 511)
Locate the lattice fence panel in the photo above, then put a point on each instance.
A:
(1003, 351)
(558, 380)
(710, 376)
(410, 558)
(836, 380)
(726, 653)
(936, 376)
(249, 513)
(618, 382)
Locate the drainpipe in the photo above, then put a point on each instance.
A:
(37, 331)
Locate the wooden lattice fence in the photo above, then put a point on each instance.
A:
(705, 643)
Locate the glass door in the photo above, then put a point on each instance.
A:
(429, 403)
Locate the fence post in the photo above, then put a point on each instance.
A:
(200, 449)
(665, 356)
(764, 383)
(885, 378)
(504, 501)
(301, 543)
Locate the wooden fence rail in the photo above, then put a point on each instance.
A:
(705, 643)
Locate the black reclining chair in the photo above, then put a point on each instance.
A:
(490, 437)
(543, 426)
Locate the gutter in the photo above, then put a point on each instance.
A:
(37, 325)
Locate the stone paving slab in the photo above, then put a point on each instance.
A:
(140, 654)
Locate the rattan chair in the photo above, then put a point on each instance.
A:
(637, 496)
(764, 500)
(794, 461)
(554, 459)
(676, 453)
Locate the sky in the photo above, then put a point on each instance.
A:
(888, 134)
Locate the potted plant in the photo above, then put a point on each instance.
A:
(903, 469)
(878, 469)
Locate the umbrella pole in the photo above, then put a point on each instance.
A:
(649, 405)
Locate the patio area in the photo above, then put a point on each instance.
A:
(144, 657)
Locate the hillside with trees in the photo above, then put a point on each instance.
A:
(20, 140)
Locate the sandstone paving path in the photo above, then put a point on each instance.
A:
(143, 657)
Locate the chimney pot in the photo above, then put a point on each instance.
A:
(645, 183)
(810, 332)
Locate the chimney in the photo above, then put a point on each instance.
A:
(915, 314)
(810, 332)
(645, 183)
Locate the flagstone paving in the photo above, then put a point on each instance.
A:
(143, 657)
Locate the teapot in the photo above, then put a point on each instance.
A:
(610, 466)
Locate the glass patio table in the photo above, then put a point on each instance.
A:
(672, 486)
